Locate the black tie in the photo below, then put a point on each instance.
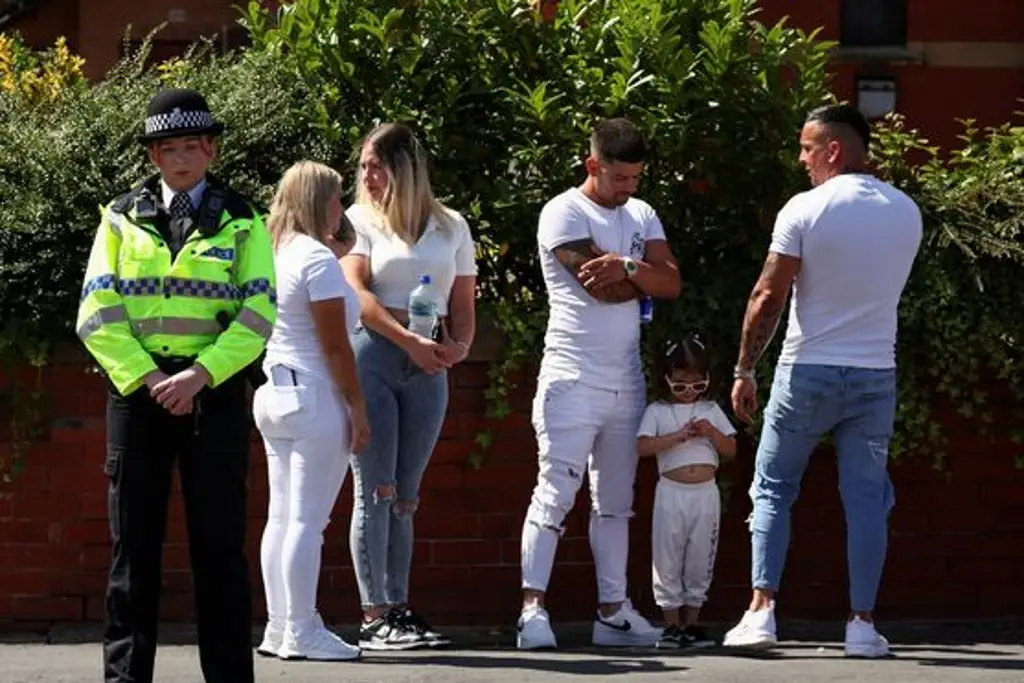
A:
(181, 220)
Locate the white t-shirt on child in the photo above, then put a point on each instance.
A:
(306, 271)
(664, 418)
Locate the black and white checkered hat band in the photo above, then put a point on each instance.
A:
(178, 120)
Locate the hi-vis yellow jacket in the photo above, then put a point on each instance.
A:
(215, 300)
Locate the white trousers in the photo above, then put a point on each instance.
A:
(305, 433)
(580, 429)
(684, 542)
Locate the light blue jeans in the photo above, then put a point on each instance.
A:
(406, 408)
(858, 406)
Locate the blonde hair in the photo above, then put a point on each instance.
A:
(300, 204)
(408, 202)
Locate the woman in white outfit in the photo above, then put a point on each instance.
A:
(311, 411)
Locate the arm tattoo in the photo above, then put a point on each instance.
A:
(759, 327)
(762, 317)
(572, 255)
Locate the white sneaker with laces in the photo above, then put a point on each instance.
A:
(864, 640)
(315, 641)
(533, 632)
(625, 628)
(756, 630)
(273, 636)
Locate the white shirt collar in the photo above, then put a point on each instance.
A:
(195, 194)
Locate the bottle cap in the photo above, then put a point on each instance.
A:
(424, 279)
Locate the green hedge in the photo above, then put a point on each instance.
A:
(505, 103)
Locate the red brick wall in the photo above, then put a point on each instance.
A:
(932, 97)
(927, 20)
(956, 547)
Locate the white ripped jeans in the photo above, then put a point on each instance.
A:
(581, 429)
(305, 433)
(684, 542)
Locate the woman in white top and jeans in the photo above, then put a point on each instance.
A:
(402, 232)
(310, 412)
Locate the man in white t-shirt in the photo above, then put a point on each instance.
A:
(846, 247)
(601, 253)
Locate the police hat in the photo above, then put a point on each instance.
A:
(177, 112)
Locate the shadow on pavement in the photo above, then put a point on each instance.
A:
(925, 633)
(604, 664)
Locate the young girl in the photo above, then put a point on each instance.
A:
(687, 433)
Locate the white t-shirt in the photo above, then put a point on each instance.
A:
(664, 418)
(395, 267)
(306, 271)
(594, 342)
(857, 238)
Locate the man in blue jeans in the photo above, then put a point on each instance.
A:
(846, 247)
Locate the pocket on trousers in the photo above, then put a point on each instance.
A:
(112, 463)
(549, 403)
(799, 402)
(285, 411)
(112, 468)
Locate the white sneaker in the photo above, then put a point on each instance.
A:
(273, 636)
(315, 641)
(756, 630)
(863, 640)
(534, 630)
(625, 628)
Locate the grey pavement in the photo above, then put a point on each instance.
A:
(809, 653)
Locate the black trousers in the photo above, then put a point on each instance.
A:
(211, 447)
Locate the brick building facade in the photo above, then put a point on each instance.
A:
(935, 60)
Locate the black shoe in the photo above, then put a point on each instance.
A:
(387, 633)
(409, 620)
(696, 637)
(671, 639)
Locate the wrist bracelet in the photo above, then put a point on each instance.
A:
(740, 373)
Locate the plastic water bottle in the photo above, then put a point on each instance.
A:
(423, 309)
(646, 310)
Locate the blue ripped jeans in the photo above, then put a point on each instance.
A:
(858, 406)
(406, 408)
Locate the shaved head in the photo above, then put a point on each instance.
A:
(834, 140)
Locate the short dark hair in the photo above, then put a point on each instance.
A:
(618, 140)
(843, 115)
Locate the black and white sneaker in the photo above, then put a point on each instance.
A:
(671, 638)
(409, 620)
(625, 628)
(696, 637)
(387, 633)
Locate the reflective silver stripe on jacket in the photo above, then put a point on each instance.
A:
(180, 326)
(104, 316)
(115, 220)
(255, 322)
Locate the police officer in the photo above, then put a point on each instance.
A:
(173, 260)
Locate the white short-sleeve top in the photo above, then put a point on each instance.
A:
(443, 252)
